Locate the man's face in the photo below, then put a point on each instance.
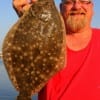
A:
(77, 14)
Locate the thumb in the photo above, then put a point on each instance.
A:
(34, 0)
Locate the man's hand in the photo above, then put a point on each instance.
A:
(21, 6)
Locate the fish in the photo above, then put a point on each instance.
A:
(34, 49)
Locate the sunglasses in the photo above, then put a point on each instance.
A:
(71, 2)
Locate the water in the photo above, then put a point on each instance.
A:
(7, 91)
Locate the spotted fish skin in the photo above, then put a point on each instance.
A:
(34, 48)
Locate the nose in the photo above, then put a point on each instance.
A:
(76, 5)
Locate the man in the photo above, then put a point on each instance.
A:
(80, 80)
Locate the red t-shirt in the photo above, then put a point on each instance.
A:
(80, 80)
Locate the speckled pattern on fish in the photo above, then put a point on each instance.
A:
(34, 48)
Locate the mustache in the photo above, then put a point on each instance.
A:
(77, 12)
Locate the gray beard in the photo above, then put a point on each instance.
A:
(74, 25)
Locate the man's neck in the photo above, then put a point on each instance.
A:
(78, 41)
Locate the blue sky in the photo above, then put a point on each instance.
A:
(8, 16)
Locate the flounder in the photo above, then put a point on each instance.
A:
(34, 48)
